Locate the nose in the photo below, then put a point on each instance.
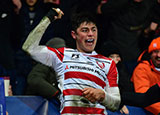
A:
(90, 33)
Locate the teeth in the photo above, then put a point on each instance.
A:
(90, 40)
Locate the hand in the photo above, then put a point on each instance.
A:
(18, 5)
(153, 26)
(10, 91)
(124, 110)
(99, 9)
(60, 13)
(100, 5)
(93, 95)
(54, 13)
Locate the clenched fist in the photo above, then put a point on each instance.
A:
(93, 95)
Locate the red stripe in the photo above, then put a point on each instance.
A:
(59, 54)
(83, 110)
(158, 84)
(72, 92)
(85, 76)
(113, 75)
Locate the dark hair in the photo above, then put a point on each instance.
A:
(78, 18)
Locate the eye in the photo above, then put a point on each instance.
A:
(111, 56)
(94, 29)
(117, 56)
(156, 51)
(84, 30)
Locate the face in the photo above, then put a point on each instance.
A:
(31, 2)
(86, 37)
(155, 56)
(115, 57)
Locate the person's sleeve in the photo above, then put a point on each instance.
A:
(38, 81)
(112, 95)
(141, 83)
(141, 99)
(39, 52)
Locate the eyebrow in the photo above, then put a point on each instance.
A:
(88, 27)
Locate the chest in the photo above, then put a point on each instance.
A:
(86, 64)
(154, 77)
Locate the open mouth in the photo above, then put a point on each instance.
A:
(89, 41)
(158, 60)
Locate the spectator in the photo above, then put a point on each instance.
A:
(42, 79)
(7, 34)
(30, 15)
(109, 49)
(128, 19)
(147, 72)
(153, 29)
(78, 69)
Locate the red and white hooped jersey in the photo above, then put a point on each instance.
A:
(76, 71)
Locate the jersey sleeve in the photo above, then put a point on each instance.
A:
(38, 52)
(112, 94)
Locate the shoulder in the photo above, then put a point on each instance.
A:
(60, 50)
(104, 57)
(142, 70)
(143, 65)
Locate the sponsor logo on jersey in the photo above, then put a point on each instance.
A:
(75, 56)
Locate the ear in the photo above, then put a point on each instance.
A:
(73, 33)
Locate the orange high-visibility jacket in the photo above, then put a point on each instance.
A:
(145, 76)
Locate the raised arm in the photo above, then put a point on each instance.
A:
(35, 36)
(31, 45)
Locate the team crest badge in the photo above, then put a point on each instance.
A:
(100, 64)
